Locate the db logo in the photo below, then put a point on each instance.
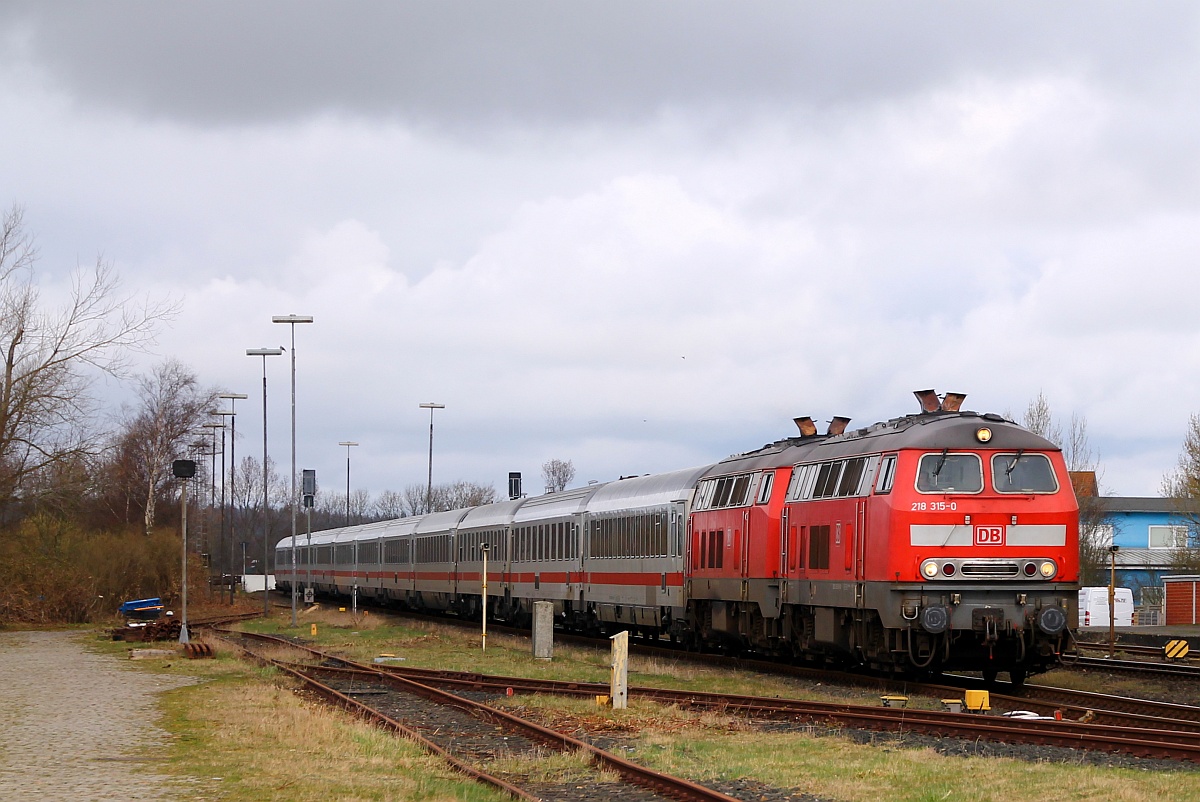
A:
(989, 536)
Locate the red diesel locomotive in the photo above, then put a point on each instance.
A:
(945, 539)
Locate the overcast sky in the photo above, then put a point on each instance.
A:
(639, 236)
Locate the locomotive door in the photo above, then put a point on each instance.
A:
(785, 544)
(860, 549)
(744, 557)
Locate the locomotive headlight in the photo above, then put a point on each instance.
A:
(929, 568)
(983, 434)
(1049, 569)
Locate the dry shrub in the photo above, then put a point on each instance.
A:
(52, 571)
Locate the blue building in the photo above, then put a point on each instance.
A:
(1149, 532)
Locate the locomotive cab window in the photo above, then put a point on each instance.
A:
(1023, 473)
(943, 472)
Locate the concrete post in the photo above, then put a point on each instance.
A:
(619, 684)
(543, 630)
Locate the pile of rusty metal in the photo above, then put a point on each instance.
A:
(163, 629)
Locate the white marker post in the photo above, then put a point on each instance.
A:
(484, 594)
(619, 684)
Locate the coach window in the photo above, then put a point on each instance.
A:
(943, 472)
(1023, 473)
(764, 487)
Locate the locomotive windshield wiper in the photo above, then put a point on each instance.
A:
(1008, 471)
(941, 462)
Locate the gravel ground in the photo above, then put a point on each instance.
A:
(75, 725)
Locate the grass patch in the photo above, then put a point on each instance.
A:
(1167, 689)
(836, 767)
(243, 737)
(546, 766)
(435, 645)
(708, 747)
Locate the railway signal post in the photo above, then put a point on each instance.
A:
(183, 469)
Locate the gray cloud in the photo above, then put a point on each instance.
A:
(638, 236)
(450, 63)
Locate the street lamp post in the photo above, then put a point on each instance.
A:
(429, 487)
(347, 444)
(292, 320)
(212, 499)
(233, 399)
(264, 353)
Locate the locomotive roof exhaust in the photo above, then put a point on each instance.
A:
(929, 401)
(806, 426)
(837, 425)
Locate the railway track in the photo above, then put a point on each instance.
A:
(1099, 708)
(473, 736)
(1139, 667)
(1142, 739)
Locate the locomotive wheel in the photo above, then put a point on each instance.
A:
(989, 675)
(1017, 676)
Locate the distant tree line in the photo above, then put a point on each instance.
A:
(89, 508)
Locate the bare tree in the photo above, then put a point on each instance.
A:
(415, 499)
(457, 495)
(171, 406)
(47, 355)
(1183, 485)
(389, 505)
(1082, 463)
(558, 474)
(1040, 420)
(452, 496)
(253, 523)
(360, 505)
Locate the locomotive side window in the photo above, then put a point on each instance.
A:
(887, 472)
(852, 476)
(835, 479)
(802, 481)
(727, 491)
(1023, 473)
(943, 472)
(764, 487)
(827, 479)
